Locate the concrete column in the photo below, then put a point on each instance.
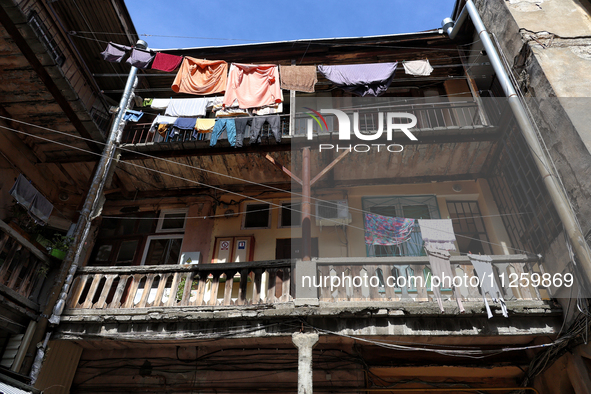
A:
(305, 343)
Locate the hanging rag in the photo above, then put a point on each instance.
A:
(115, 53)
(253, 85)
(132, 116)
(160, 103)
(488, 284)
(161, 123)
(257, 125)
(220, 125)
(183, 124)
(440, 267)
(361, 79)
(438, 233)
(188, 107)
(418, 68)
(166, 62)
(300, 78)
(38, 207)
(241, 124)
(200, 76)
(204, 125)
(147, 102)
(140, 58)
(386, 230)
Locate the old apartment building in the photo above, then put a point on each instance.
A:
(194, 265)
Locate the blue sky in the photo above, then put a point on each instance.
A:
(238, 22)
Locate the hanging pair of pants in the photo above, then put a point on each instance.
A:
(257, 124)
(220, 125)
(241, 124)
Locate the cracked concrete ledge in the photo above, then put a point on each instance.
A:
(324, 309)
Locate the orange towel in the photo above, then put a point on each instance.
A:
(253, 85)
(198, 76)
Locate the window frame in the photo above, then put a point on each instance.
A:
(166, 236)
(161, 218)
(279, 219)
(246, 204)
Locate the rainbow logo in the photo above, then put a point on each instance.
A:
(317, 115)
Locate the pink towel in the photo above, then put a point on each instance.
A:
(253, 85)
(166, 62)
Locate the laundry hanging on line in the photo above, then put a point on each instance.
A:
(418, 68)
(386, 230)
(253, 85)
(200, 76)
(438, 233)
(371, 79)
(484, 269)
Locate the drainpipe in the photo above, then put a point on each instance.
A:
(306, 206)
(559, 199)
(91, 208)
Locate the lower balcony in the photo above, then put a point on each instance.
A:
(388, 281)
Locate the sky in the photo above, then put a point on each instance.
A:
(230, 22)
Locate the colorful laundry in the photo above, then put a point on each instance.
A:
(188, 107)
(438, 233)
(161, 123)
(386, 230)
(140, 58)
(300, 78)
(200, 76)
(418, 68)
(166, 62)
(132, 116)
(361, 79)
(253, 85)
(440, 267)
(218, 129)
(114, 53)
(484, 269)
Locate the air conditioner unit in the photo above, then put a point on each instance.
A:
(332, 213)
(191, 258)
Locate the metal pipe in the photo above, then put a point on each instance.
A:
(92, 206)
(557, 195)
(306, 209)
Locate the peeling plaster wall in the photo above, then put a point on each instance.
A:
(551, 61)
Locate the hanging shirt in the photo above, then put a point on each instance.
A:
(418, 68)
(300, 78)
(438, 233)
(488, 284)
(166, 62)
(361, 79)
(132, 116)
(115, 53)
(185, 123)
(386, 230)
(253, 85)
(200, 76)
(140, 58)
(188, 107)
(440, 267)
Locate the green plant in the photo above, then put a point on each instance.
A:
(181, 288)
(61, 242)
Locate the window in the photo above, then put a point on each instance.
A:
(257, 216)
(469, 227)
(290, 214)
(172, 221)
(412, 207)
(162, 250)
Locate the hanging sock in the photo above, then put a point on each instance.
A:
(114, 53)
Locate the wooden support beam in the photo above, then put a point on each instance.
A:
(281, 167)
(329, 167)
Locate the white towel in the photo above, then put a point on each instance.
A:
(418, 68)
(159, 103)
(438, 233)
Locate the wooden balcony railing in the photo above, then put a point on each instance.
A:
(22, 270)
(248, 283)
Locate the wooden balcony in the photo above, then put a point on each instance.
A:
(267, 283)
(22, 268)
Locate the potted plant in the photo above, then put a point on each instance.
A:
(60, 245)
